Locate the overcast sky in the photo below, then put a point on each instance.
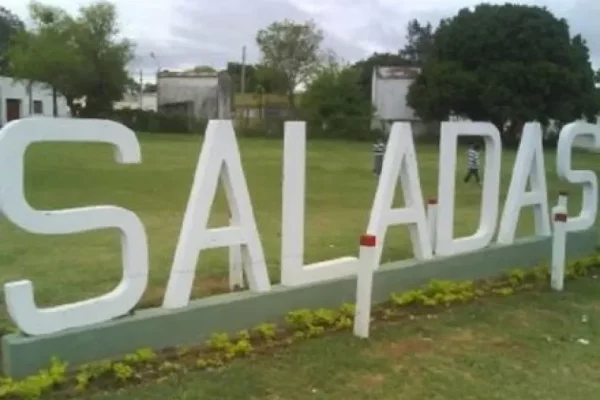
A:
(184, 33)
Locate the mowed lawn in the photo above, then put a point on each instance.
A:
(530, 346)
(340, 191)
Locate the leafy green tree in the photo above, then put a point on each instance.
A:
(234, 69)
(292, 50)
(419, 38)
(105, 56)
(202, 68)
(79, 57)
(334, 104)
(47, 53)
(507, 64)
(10, 25)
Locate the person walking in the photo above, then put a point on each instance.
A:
(378, 153)
(473, 164)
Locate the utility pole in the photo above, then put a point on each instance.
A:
(243, 84)
(141, 90)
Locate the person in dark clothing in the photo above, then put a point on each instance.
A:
(378, 153)
(473, 164)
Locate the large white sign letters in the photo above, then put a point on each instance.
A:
(293, 270)
(529, 165)
(220, 157)
(220, 160)
(587, 179)
(445, 242)
(400, 166)
(14, 140)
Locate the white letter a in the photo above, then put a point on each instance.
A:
(400, 163)
(219, 157)
(528, 164)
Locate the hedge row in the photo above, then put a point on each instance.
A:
(272, 127)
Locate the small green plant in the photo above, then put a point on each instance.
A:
(343, 323)
(348, 310)
(183, 351)
(578, 268)
(57, 371)
(437, 292)
(266, 331)
(516, 277)
(168, 366)
(407, 298)
(219, 342)
(243, 335)
(82, 379)
(540, 273)
(503, 291)
(242, 348)
(314, 331)
(140, 356)
(300, 320)
(122, 371)
(325, 317)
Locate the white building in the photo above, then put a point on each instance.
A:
(148, 102)
(389, 88)
(16, 101)
(198, 94)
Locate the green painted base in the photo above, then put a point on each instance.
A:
(160, 328)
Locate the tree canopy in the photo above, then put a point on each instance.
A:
(334, 104)
(507, 64)
(419, 39)
(292, 50)
(78, 56)
(10, 25)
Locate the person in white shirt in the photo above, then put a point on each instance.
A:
(473, 164)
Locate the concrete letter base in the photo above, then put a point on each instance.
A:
(161, 328)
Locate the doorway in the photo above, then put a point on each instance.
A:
(13, 109)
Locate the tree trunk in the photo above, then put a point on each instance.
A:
(292, 101)
(54, 102)
(30, 96)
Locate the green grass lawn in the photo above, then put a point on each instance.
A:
(522, 347)
(340, 191)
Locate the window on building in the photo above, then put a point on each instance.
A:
(38, 107)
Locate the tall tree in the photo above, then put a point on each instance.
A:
(419, 38)
(10, 25)
(79, 57)
(507, 64)
(234, 69)
(106, 57)
(291, 49)
(334, 104)
(47, 53)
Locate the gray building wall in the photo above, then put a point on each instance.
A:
(207, 92)
(12, 89)
(389, 88)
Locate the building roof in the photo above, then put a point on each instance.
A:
(187, 74)
(397, 72)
